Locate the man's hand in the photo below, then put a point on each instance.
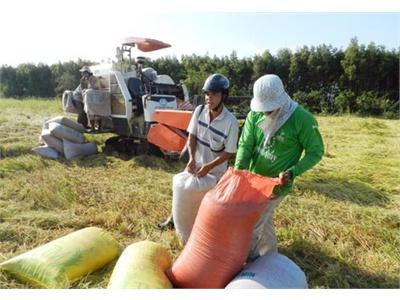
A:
(203, 171)
(191, 167)
(284, 178)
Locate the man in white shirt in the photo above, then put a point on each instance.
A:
(213, 133)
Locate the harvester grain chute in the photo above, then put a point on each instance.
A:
(135, 103)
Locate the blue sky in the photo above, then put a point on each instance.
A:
(52, 31)
(250, 33)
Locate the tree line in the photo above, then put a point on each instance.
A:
(361, 79)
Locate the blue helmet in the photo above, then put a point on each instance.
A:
(216, 83)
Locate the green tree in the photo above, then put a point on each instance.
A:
(66, 75)
(345, 102)
(299, 73)
(351, 66)
(8, 81)
(42, 80)
(263, 64)
(170, 66)
(282, 64)
(323, 67)
(315, 100)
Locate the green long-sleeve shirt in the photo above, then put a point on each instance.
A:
(299, 133)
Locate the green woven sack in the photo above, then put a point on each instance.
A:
(142, 265)
(60, 262)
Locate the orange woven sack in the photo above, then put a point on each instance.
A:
(221, 237)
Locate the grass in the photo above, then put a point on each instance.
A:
(340, 224)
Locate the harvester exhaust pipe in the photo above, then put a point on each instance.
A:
(140, 61)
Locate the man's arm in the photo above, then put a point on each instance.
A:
(212, 164)
(230, 145)
(311, 140)
(192, 140)
(191, 165)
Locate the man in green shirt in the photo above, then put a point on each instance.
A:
(276, 133)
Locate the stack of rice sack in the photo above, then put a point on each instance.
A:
(64, 137)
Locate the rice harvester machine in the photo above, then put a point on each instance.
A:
(136, 103)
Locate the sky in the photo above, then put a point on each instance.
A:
(63, 30)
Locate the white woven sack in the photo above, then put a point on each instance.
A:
(68, 102)
(77, 94)
(46, 151)
(72, 150)
(67, 122)
(97, 103)
(270, 271)
(188, 191)
(64, 132)
(51, 141)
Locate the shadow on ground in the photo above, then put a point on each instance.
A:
(14, 152)
(325, 271)
(91, 161)
(156, 163)
(343, 189)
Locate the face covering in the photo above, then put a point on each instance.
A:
(272, 122)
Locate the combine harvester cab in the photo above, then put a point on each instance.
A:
(143, 106)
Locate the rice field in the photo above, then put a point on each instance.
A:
(340, 224)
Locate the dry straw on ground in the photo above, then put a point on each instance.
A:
(340, 224)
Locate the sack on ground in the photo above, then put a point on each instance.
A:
(221, 236)
(97, 103)
(52, 141)
(72, 150)
(67, 122)
(46, 151)
(188, 191)
(64, 132)
(60, 262)
(142, 265)
(271, 271)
